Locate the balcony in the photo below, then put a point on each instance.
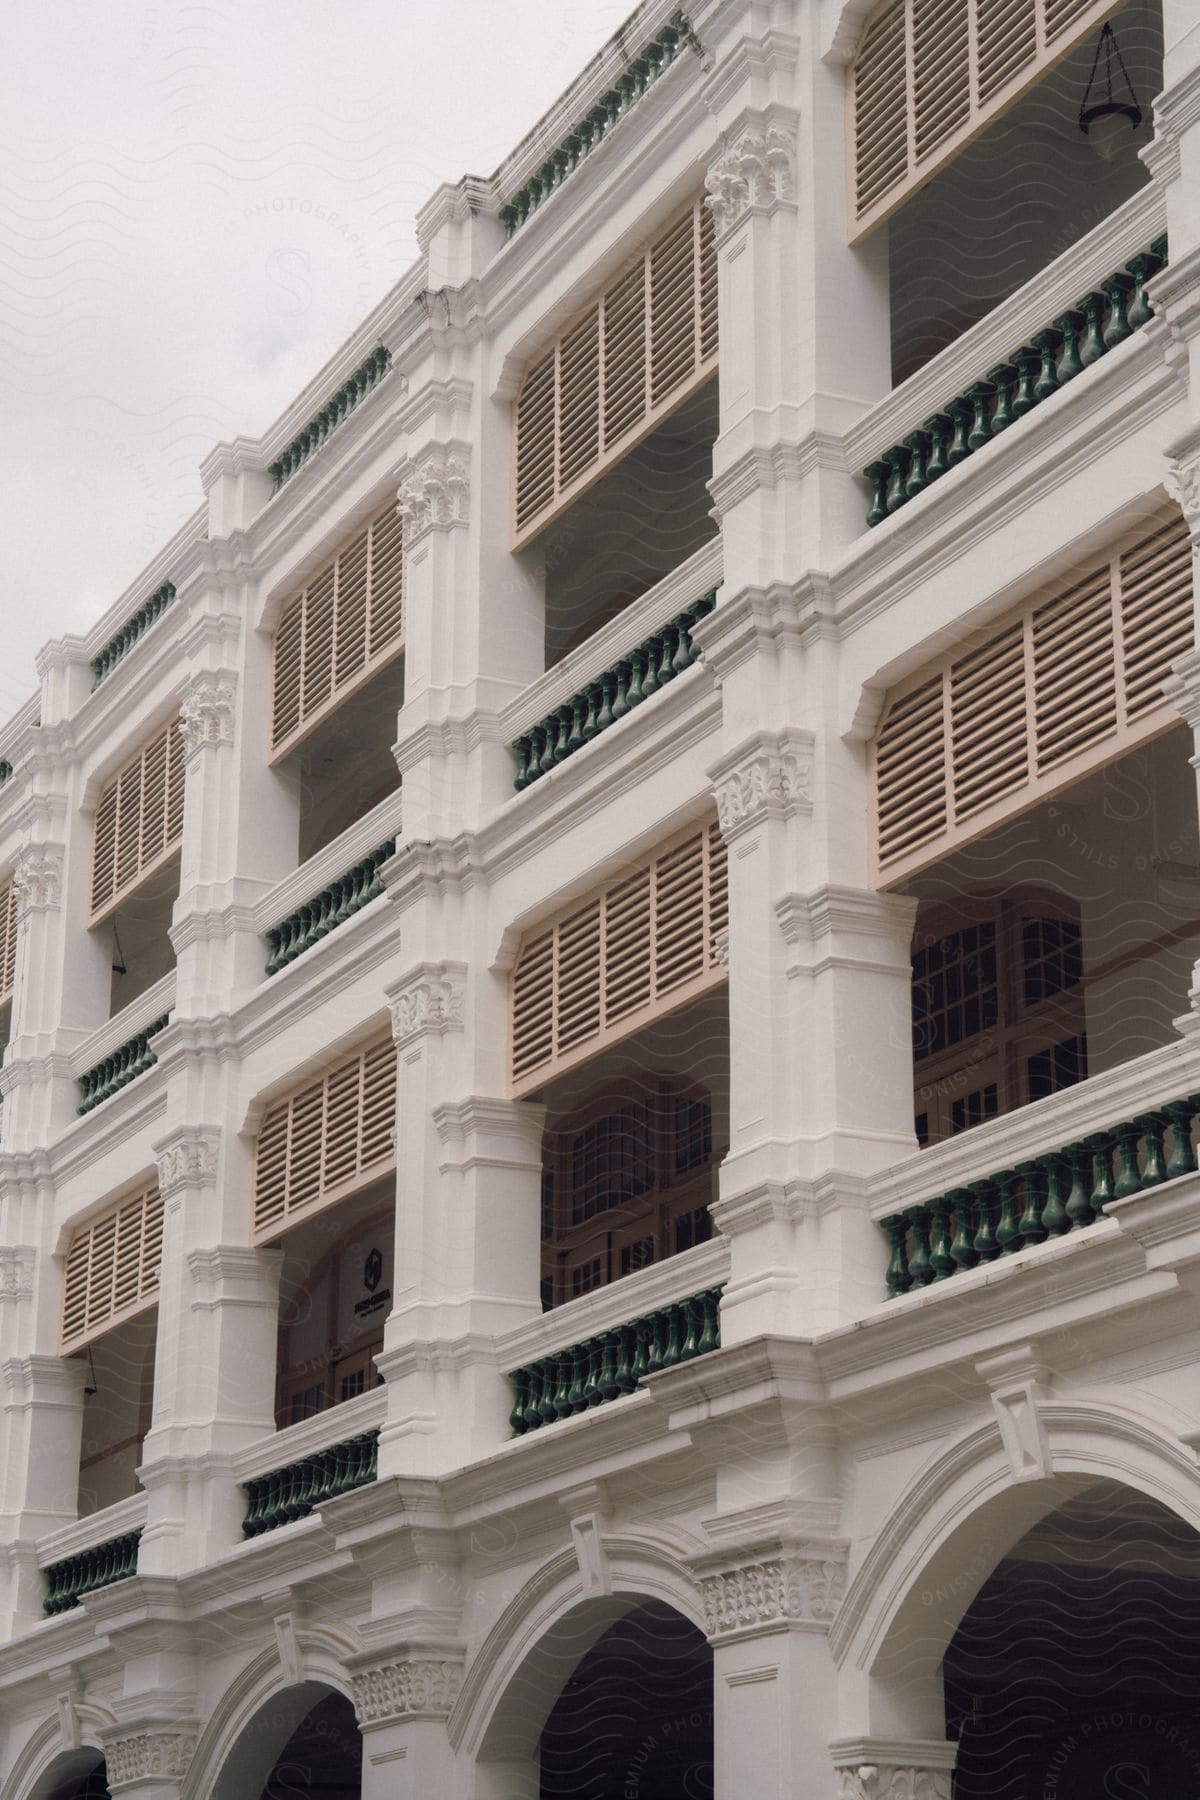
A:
(330, 888)
(123, 1049)
(1044, 1172)
(288, 1476)
(98, 1551)
(324, 912)
(595, 687)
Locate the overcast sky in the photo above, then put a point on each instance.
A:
(197, 205)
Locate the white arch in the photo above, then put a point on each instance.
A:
(33, 1774)
(965, 1510)
(509, 1690)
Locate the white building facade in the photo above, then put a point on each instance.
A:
(598, 1189)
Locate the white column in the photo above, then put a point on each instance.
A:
(403, 1700)
(148, 1758)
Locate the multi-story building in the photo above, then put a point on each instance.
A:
(598, 1166)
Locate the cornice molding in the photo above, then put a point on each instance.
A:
(755, 621)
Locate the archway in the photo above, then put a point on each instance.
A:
(635, 1716)
(1075, 1671)
(302, 1742)
(76, 1775)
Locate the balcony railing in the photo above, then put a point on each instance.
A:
(604, 1367)
(70, 1581)
(1042, 1196)
(297, 1489)
(120, 1067)
(326, 910)
(324, 423)
(123, 640)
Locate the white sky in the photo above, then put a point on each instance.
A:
(198, 202)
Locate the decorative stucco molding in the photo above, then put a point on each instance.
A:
(148, 1755)
(16, 1271)
(889, 1781)
(768, 776)
(434, 494)
(38, 879)
(417, 1688)
(428, 999)
(802, 1587)
(188, 1158)
(206, 713)
(756, 172)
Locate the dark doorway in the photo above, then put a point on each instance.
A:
(322, 1757)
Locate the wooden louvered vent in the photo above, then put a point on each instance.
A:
(112, 1267)
(326, 1140)
(1071, 681)
(339, 630)
(641, 947)
(8, 939)
(618, 370)
(931, 74)
(139, 820)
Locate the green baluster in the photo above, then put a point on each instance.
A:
(1047, 344)
(685, 654)
(520, 1387)
(897, 493)
(566, 716)
(604, 717)
(634, 694)
(897, 1278)
(691, 1341)
(917, 443)
(272, 951)
(654, 1354)
(564, 1364)
(607, 1380)
(591, 723)
(537, 739)
(1118, 288)
(958, 449)
(877, 474)
(1092, 306)
(575, 710)
(652, 651)
(1101, 1143)
(672, 1347)
(962, 1244)
(668, 638)
(985, 1246)
(1182, 1160)
(1069, 325)
(1154, 1125)
(1030, 1226)
(1008, 1231)
(623, 1377)
(1129, 1180)
(520, 749)
(591, 1387)
(1054, 1213)
(940, 1259)
(575, 1394)
(546, 1395)
(920, 1269)
(710, 1335)
(1141, 268)
(1079, 1200)
(372, 1469)
(623, 674)
(533, 1417)
(552, 754)
(250, 1523)
(639, 1365)
(1027, 363)
(1002, 378)
(980, 395)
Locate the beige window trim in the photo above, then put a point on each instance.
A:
(326, 1140)
(139, 821)
(930, 75)
(344, 626)
(635, 950)
(112, 1267)
(618, 370)
(1066, 682)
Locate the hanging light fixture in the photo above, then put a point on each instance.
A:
(1109, 102)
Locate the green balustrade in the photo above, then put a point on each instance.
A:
(297, 1489)
(1045, 1196)
(609, 696)
(70, 1581)
(1099, 321)
(118, 1070)
(582, 139)
(6, 770)
(605, 1367)
(335, 411)
(317, 917)
(122, 641)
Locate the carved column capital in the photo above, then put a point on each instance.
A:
(755, 171)
(429, 999)
(767, 776)
(16, 1271)
(887, 1769)
(434, 492)
(206, 711)
(148, 1755)
(38, 878)
(403, 1687)
(187, 1158)
(800, 1586)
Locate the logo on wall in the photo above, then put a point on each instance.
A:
(377, 1297)
(372, 1270)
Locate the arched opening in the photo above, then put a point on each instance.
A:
(635, 1716)
(302, 1742)
(76, 1775)
(1075, 1671)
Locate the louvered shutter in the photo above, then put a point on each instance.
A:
(618, 370)
(1070, 681)
(8, 939)
(112, 1267)
(326, 1140)
(641, 947)
(139, 820)
(339, 630)
(931, 74)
